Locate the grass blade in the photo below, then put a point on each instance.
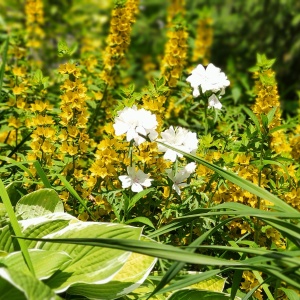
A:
(15, 226)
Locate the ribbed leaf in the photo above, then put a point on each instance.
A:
(23, 286)
(39, 203)
(45, 263)
(7, 243)
(197, 279)
(90, 264)
(131, 276)
(41, 226)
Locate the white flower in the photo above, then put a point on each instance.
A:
(209, 79)
(179, 138)
(135, 179)
(133, 121)
(213, 102)
(179, 178)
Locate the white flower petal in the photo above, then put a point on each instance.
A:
(209, 79)
(190, 168)
(126, 181)
(136, 187)
(213, 102)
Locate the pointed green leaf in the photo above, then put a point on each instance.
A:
(39, 203)
(137, 197)
(142, 220)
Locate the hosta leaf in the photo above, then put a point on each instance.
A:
(39, 203)
(23, 286)
(7, 243)
(130, 277)
(35, 227)
(45, 263)
(90, 264)
(41, 226)
(215, 284)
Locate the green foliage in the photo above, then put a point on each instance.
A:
(221, 220)
(88, 267)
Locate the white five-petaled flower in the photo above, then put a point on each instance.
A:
(179, 138)
(213, 102)
(179, 177)
(133, 121)
(209, 79)
(136, 179)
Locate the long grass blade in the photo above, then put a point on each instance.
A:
(15, 226)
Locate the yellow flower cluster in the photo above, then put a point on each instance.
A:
(251, 282)
(44, 134)
(34, 11)
(175, 7)
(118, 39)
(203, 41)
(175, 55)
(295, 143)
(110, 154)
(232, 192)
(74, 115)
(268, 98)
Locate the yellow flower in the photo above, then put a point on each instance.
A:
(18, 90)
(19, 71)
(14, 122)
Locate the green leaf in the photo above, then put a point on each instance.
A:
(75, 194)
(253, 117)
(39, 203)
(137, 197)
(148, 248)
(142, 220)
(90, 264)
(200, 279)
(193, 294)
(45, 263)
(12, 190)
(15, 225)
(42, 174)
(271, 114)
(23, 286)
(131, 276)
(41, 226)
(291, 294)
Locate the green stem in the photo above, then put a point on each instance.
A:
(206, 120)
(97, 110)
(15, 226)
(257, 226)
(2, 70)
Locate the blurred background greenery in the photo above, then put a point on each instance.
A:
(240, 30)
